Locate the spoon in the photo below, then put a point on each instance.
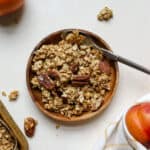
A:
(109, 54)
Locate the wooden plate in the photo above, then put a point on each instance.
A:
(36, 96)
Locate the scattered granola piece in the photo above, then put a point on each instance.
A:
(57, 126)
(105, 14)
(29, 126)
(13, 95)
(4, 93)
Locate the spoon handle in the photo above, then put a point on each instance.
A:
(123, 60)
(133, 64)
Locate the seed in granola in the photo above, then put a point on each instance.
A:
(4, 93)
(105, 14)
(29, 126)
(13, 95)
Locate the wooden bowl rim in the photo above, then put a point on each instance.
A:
(85, 116)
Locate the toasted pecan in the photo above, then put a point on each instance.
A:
(46, 82)
(81, 78)
(79, 83)
(53, 74)
(29, 126)
(74, 68)
(104, 66)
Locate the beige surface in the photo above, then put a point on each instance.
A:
(127, 33)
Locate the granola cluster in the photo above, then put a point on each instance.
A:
(105, 14)
(73, 77)
(7, 142)
(13, 95)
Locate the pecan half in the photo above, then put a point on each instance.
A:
(29, 126)
(74, 68)
(53, 74)
(81, 78)
(45, 81)
(79, 83)
(104, 66)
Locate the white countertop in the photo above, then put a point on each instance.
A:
(128, 33)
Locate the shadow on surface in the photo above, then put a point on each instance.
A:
(12, 19)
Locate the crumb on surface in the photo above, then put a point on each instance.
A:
(13, 95)
(105, 14)
(29, 126)
(57, 126)
(4, 93)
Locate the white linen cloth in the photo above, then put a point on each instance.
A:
(114, 137)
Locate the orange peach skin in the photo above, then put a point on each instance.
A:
(138, 122)
(10, 6)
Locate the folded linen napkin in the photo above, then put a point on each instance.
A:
(114, 136)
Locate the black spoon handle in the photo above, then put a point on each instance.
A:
(133, 64)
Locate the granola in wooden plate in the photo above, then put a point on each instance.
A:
(72, 77)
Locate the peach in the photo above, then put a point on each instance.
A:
(138, 122)
(10, 6)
